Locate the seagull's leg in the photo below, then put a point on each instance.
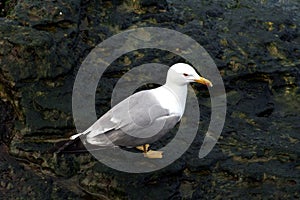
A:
(143, 148)
(149, 153)
(153, 154)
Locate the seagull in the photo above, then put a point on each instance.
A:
(145, 116)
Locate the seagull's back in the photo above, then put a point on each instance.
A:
(128, 123)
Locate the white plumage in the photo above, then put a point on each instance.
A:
(145, 116)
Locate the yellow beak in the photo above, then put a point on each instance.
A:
(204, 81)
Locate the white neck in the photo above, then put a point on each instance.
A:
(180, 91)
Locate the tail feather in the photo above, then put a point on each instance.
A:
(73, 137)
(76, 146)
(70, 146)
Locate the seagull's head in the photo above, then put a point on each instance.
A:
(182, 73)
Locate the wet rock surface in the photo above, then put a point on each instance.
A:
(256, 46)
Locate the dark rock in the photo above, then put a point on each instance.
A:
(214, 13)
(6, 7)
(158, 4)
(7, 119)
(18, 180)
(255, 44)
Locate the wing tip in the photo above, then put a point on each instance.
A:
(73, 137)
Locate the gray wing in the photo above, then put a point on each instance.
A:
(138, 119)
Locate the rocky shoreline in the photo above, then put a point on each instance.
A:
(256, 46)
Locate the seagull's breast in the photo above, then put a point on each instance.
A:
(168, 100)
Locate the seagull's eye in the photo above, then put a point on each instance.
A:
(185, 74)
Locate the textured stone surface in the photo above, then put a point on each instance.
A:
(256, 46)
